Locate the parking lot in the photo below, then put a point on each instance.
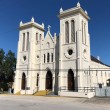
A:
(12, 102)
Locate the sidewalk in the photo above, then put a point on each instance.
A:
(98, 101)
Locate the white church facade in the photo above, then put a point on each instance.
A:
(61, 64)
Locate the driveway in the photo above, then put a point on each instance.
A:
(13, 102)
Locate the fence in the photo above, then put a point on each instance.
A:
(102, 92)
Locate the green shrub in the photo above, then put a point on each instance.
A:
(4, 86)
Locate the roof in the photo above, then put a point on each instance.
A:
(98, 61)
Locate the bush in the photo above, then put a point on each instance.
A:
(4, 86)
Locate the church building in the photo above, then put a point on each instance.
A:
(62, 64)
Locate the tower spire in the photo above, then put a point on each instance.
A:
(61, 10)
(32, 19)
(78, 5)
(21, 23)
(49, 28)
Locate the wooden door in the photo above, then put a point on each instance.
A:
(71, 80)
(49, 80)
(23, 84)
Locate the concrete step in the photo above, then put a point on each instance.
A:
(18, 93)
(51, 93)
(42, 93)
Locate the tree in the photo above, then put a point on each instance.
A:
(2, 60)
(9, 66)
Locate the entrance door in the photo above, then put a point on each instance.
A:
(23, 85)
(49, 80)
(71, 84)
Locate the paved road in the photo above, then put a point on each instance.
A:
(50, 103)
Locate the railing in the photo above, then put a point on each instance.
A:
(35, 90)
(78, 89)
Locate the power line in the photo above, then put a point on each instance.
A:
(63, 70)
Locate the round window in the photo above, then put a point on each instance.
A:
(37, 56)
(70, 51)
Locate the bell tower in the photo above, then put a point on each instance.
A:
(29, 56)
(74, 43)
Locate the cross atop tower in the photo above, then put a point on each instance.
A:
(49, 28)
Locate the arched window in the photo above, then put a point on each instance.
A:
(96, 73)
(51, 57)
(82, 33)
(72, 31)
(40, 36)
(85, 32)
(105, 73)
(23, 43)
(44, 58)
(48, 57)
(101, 73)
(66, 32)
(27, 45)
(36, 36)
(48, 45)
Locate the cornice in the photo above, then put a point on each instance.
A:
(31, 24)
(72, 11)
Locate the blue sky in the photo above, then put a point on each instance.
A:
(46, 11)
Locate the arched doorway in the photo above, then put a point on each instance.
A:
(23, 84)
(71, 82)
(108, 82)
(37, 82)
(49, 80)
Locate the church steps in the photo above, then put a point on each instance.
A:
(42, 93)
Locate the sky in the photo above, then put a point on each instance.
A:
(46, 11)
